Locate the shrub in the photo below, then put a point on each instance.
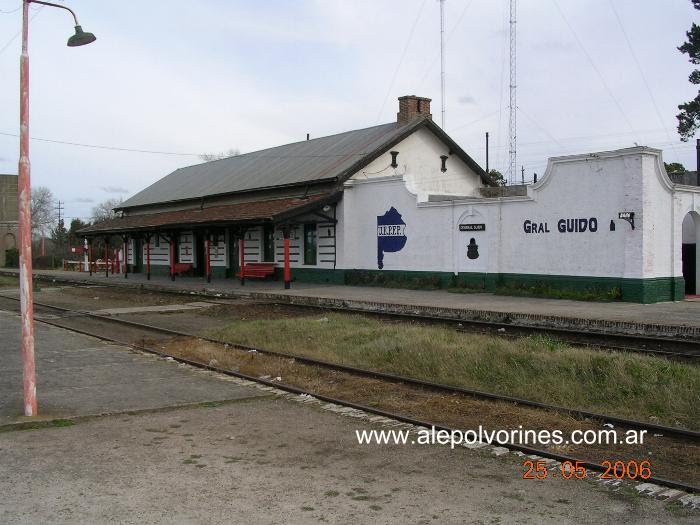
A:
(12, 258)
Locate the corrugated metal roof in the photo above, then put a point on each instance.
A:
(242, 212)
(300, 162)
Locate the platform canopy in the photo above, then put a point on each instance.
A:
(271, 211)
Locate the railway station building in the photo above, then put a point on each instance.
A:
(403, 204)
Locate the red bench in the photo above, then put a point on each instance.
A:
(180, 268)
(258, 270)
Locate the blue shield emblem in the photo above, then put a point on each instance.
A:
(391, 234)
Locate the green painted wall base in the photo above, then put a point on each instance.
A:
(651, 290)
(313, 275)
(558, 286)
(217, 272)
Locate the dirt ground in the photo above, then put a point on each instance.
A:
(675, 459)
(276, 461)
(671, 459)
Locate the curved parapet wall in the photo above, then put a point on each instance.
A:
(600, 222)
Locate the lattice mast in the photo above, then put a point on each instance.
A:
(442, 62)
(512, 131)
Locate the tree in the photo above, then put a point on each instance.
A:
(42, 209)
(74, 238)
(497, 177)
(689, 117)
(674, 167)
(105, 210)
(58, 236)
(208, 157)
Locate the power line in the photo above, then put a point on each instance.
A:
(447, 41)
(12, 11)
(501, 84)
(512, 125)
(531, 119)
(155, 152)
(9, 42)
(442, 62)
(473, 121)
(595, 68)
(403, 54)
(641, 72)
(100, 146)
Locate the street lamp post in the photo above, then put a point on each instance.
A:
(24, 199)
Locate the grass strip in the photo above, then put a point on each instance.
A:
(536, 367)
(6, 281)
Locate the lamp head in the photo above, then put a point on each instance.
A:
(81, 38)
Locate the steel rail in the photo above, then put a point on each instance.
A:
(566, 335)
(440, 387)
(372, 410)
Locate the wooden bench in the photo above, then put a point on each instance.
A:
(180, 268)
(258, 270)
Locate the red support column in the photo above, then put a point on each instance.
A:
(207, 255)
(25, 229)
(90, 258)
(241, 247)
(172, 257)
(106, 256)
(115, 262)
(126, 257)
(287, 267)
(148, 258)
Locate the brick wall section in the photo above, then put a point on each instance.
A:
(411, 107)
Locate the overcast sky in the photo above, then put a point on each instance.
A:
(185, 78)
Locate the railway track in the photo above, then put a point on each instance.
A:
(68, 314)
(671, 347)
(662, 346)
(579, 414)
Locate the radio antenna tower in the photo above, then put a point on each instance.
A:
(442, 61)
(513, 167)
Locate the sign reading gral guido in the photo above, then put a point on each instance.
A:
(391, 234)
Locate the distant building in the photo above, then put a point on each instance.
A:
(9, 216)
(686, 178)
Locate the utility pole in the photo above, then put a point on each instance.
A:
(513, 166)
(522, 174)
(23, 201)
(59, 209)
(487, 152)
(60, 228)
(442, 61)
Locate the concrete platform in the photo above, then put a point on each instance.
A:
(164, 308)
(82, 376)
(672, 319)
(277, 461)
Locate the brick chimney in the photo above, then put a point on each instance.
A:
(411, 107)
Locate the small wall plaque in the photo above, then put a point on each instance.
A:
(472, 227)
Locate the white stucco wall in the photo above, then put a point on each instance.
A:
(419, 165)
(160, 251)
(185, 248)
(585, 188)
(688, 229)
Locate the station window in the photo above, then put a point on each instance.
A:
(310, 244)
(269, 243)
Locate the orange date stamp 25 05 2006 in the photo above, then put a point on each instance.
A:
(576, 470)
